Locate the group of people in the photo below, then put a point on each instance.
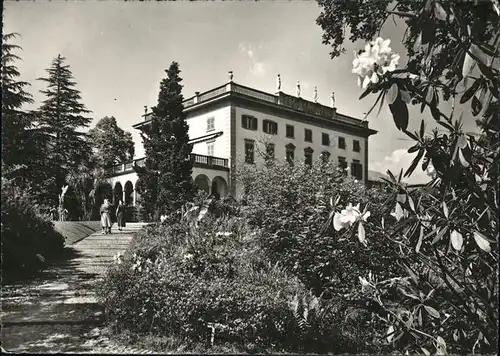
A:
(106, 222)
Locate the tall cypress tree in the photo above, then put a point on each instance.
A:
(166, 178)
(63, 115)
(22, 141)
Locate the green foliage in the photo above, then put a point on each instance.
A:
(111, 143)
(27, 238)
(62, 115)
(445, 235)
(179, 281)
(22, 143)
(291, 205)
(166, 182)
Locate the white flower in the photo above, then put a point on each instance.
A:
(363, 281)
(348, 216)
(376, 60)
(187, 257)
(118, 258)
(163, 218)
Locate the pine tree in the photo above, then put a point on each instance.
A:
(166, 179)
(62, 115)
(22, 141)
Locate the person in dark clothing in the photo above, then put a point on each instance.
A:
(120, 212)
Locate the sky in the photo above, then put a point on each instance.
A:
(118, 52)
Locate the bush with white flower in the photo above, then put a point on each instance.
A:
(445, 235)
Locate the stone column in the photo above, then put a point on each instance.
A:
(123, 200)
(134, 197)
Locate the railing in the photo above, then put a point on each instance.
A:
(255, 93)
(282, 99)
(209, 160)
(211, 94)
(195, 158)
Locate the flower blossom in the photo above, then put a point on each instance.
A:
(349, 216)
(163, 218)
(118, 258)
(376, 60)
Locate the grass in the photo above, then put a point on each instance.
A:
(75, 231)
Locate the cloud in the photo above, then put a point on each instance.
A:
(400, 159)
(258, 69)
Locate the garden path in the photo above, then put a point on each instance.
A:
(57, 312)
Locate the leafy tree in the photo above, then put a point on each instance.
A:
(446, 234)
(62, 114)
(22, 141)
(110, 143)
(166, 177)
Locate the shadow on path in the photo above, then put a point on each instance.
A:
(56, 311)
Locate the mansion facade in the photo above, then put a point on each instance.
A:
(229, 124)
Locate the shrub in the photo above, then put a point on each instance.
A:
(291, 208)
(189, 280)
(27, 238)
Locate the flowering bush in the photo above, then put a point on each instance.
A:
(290, 206)
(446, 235)
(216, 287)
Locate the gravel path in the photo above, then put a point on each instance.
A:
(58, 312)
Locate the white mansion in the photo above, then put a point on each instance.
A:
(230, 123)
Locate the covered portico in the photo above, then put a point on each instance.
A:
(210, 174)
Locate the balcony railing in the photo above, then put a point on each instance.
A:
(197, 159)
(281, 99)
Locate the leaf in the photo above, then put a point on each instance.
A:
(462, 159)
(430, 94)
(482, 242)
(390, 333)
(420, 238)
(392, 93)
(432, 312)
(456, 240)
(445, 210)
(365, 93)
(399, 112)
(414, 149)
(424, 350)
(468, 62)
(410, 201)
(471, 91)
(414, 164)
(439, 12)
(361, 233)
(462, 141)
(476, 106)
(446, 125)
(422, 129)
(405, 96)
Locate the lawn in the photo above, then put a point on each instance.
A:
(75, 231)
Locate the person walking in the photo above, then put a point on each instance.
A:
(120, 215)
(105, 217)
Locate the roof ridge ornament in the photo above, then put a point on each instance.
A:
(230, 76)
(278, 84)
(315, 94)
(333, 99)
(298, 89)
